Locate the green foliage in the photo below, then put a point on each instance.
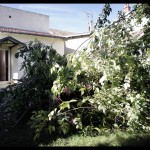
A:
(39, 61)
(112, 75)
(39, 122)
(102, 19)
(33, 93)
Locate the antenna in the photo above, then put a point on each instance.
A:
(90, 21)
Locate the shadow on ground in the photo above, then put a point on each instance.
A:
(17, 137)
(23, 136)
(135, 141)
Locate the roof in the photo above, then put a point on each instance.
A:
(60, 32)
(79, 35)
(67, 34)
(21, 31)
(54, 33)
(10, 41)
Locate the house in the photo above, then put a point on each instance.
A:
(18, 27)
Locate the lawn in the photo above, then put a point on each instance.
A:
(115, 139)
(23, 136)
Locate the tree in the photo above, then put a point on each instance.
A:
(115, 67)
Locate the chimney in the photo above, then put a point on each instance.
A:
(126, 9)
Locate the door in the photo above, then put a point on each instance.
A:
(3, 65)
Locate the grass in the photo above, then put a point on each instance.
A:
(23, 137)
(114, 139)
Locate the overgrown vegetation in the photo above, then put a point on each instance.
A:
(104, 87)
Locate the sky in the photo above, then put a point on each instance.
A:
(69, 17)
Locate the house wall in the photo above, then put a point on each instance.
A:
(20, 19)
(72, 44)
(57, 44)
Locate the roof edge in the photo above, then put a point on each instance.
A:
(78, 35)
(28, 32)
(35, 33)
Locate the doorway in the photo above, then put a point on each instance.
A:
(3, 65)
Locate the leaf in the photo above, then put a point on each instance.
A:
(115, 125)
(64, 127)
(82, 90)
(51, 129)
(51, 114)
(77, 122)
(73, 100)
(97, 90)
(102, 79)
(102, 108)
(66, 104)
(79, 104)
(97, 129)
(36, 136)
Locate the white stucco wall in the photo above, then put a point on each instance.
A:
(20, 19)
(57, 44)
(72, 44)
(61, 46)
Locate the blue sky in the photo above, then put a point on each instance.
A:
(69, 17)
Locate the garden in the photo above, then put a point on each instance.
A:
(96, 96)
